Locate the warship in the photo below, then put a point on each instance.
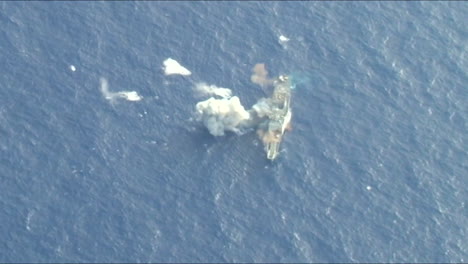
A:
(271, 130)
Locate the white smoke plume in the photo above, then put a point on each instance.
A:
(262, 108)
(205, 89)
(227, 113)
(220, 115)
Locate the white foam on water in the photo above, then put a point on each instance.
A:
(283, 38)
(111, 96)
(130, 95)
(283, 41)
(171, 66)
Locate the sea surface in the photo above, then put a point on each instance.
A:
(375, 168)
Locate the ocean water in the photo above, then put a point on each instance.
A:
(374, 170)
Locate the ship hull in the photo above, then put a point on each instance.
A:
(280, 117)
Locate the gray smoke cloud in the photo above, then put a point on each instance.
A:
(225, 112)
(262, 108)
(220, 115)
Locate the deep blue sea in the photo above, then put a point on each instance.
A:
(375, 168)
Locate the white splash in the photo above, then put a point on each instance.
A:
(72, 68)
(127, 95)
(171, 66)
(283, 39)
